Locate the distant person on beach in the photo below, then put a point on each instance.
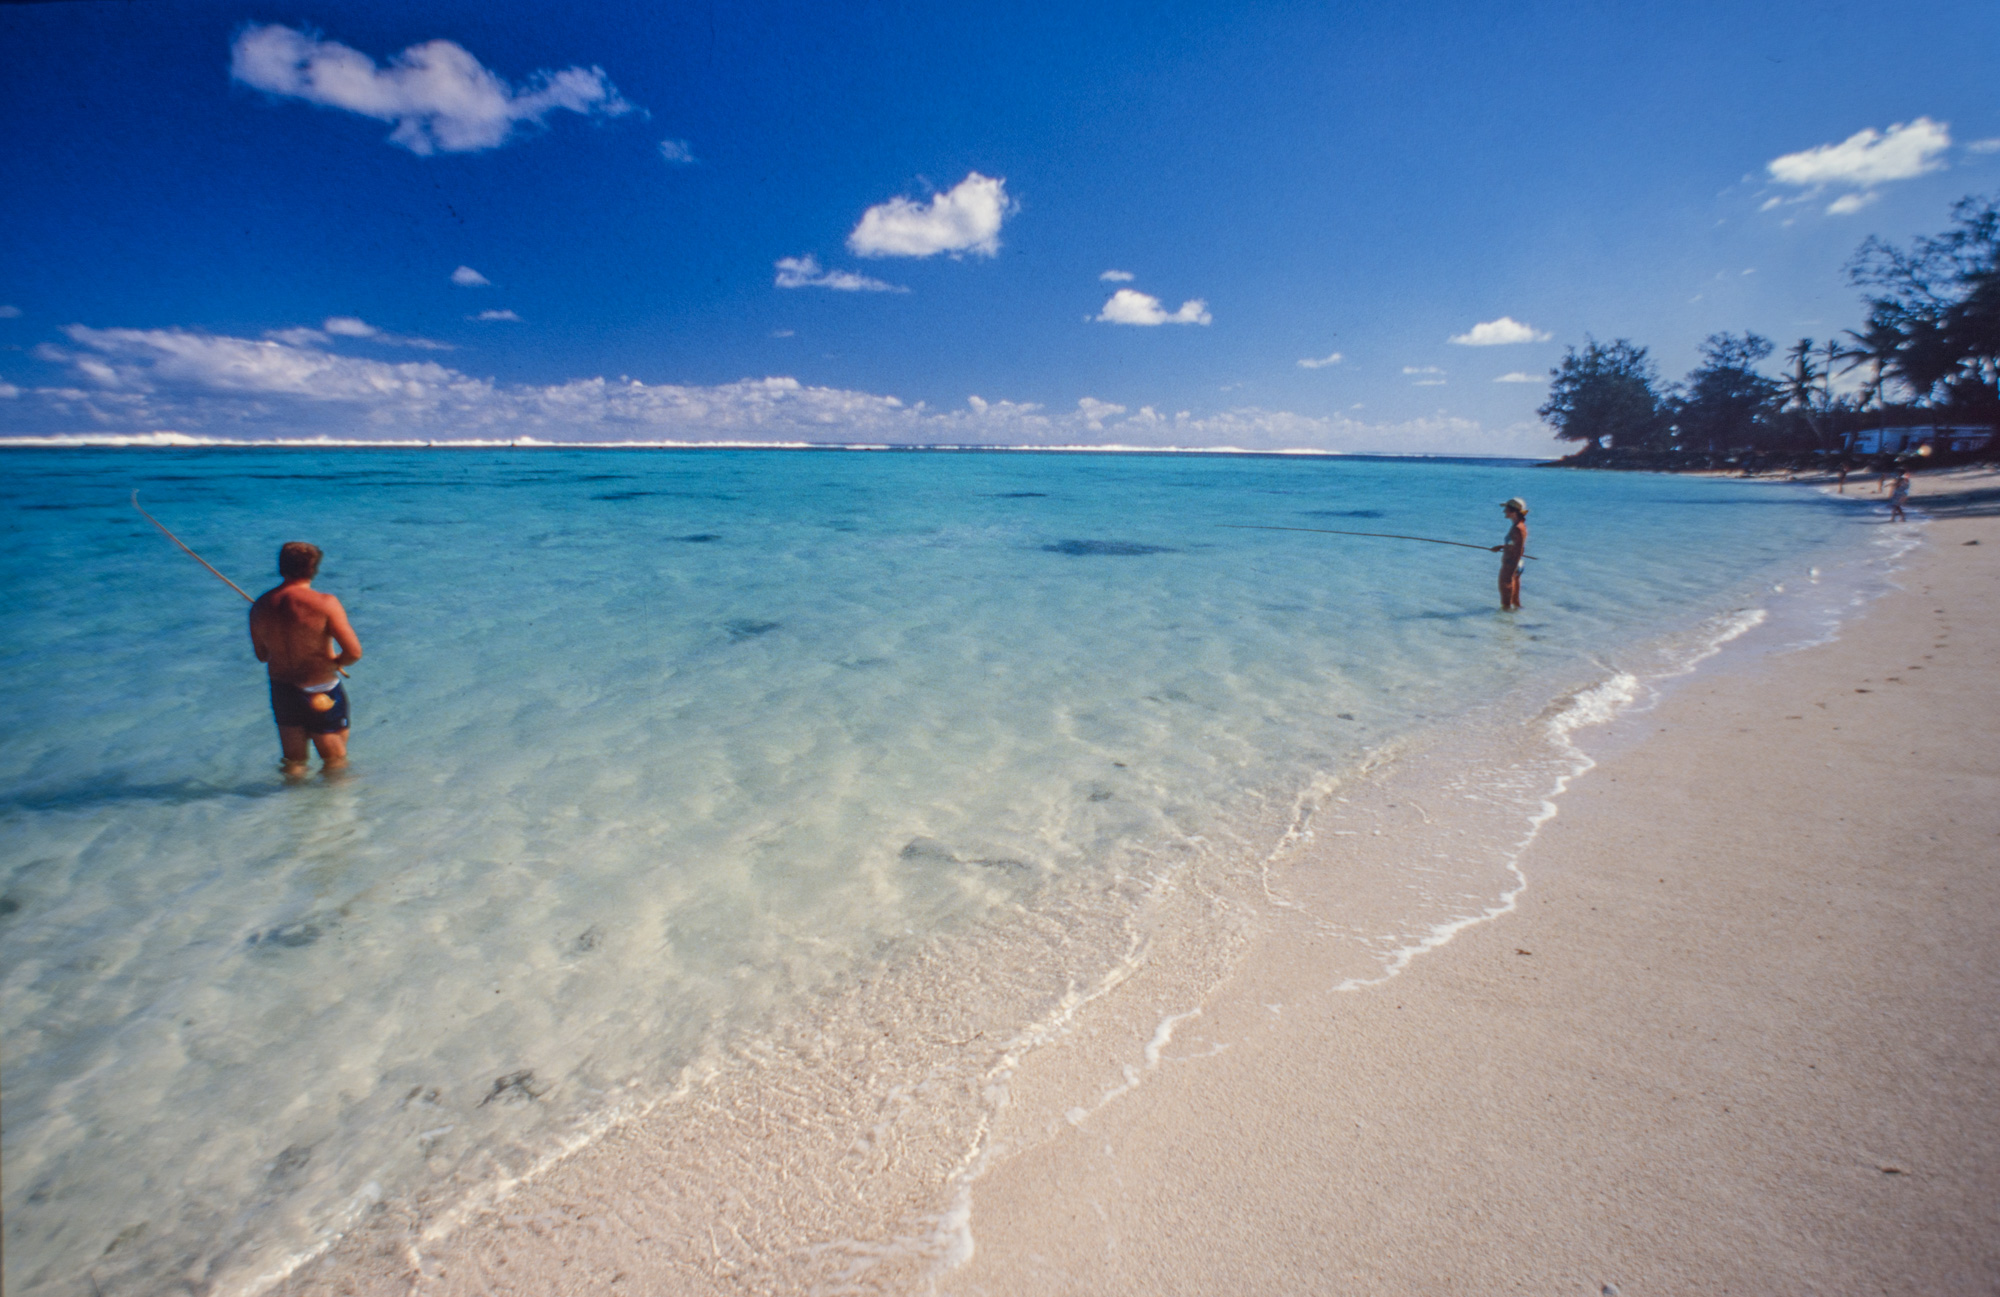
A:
(1512, 553)
(1840, 487)
(1897, 494)
(303, 636)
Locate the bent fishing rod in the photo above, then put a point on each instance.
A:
(198, 558)
(1378, 535)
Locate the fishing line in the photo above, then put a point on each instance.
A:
(1378, 535)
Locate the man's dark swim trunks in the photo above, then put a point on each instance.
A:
(293, 707)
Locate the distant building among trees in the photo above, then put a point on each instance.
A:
(1926, 365)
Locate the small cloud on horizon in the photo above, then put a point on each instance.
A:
(1094, 412)
(1422, 369)
(678, 152)
(806, 272)
(496, 316)
(1130, 306)
(784, 333)
(439, 96)
(1517, 377)
(965, 218)
(348, 326)
(467, 277)
(1321, 363)
(1503, 332)
(1117, 277)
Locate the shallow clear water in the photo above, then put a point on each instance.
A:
(651, 745)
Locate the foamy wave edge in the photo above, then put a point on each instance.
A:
(1592, 706)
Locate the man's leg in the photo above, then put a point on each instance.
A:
(292, 739)
(332, 749)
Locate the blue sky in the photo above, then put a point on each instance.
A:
(242, 221)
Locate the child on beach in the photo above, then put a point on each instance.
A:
(1897, 494)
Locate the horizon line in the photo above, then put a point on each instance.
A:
(185, 441)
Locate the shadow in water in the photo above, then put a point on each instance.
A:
(1084, 548)
(186, 792)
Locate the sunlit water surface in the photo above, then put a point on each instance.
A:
(650, 745)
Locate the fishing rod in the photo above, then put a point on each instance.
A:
(196, 557)
(190, 553)
(1378, 535)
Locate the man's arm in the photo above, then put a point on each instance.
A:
(256, 639)
(343, 634)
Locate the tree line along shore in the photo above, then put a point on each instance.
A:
(1918, 383)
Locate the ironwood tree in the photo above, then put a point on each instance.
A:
(1609, 389)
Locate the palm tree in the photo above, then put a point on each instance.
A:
(1804, 381)
(1880, 349)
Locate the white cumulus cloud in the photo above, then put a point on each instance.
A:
(439, 96)
(806, 272)
(678, 152)
(346, 326)
(495, 316)
(1498, 333)
(1517, 377)
(1130, 306)
(1863, 160)
(965, 218)
(142, 359)
(1321, 363)
(467, 277)
(1117, 276)
(1095, 412)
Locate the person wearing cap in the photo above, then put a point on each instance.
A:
(1511, 552)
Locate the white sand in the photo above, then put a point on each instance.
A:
(1741, 1036)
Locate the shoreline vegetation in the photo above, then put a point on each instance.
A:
(1917, 383)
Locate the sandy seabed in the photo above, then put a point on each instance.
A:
(1740, 1033)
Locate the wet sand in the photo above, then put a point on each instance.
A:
(1741, 1033)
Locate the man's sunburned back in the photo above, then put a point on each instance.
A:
(293, 628)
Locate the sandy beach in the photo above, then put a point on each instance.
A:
(1739, 1033)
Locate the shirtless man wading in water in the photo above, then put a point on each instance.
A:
(304, 637)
